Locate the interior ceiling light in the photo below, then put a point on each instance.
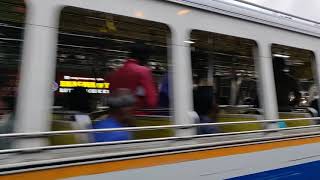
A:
(281, 55)
(139, 14)
(189, 42)
(183, 12)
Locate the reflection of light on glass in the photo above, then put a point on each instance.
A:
(139, 14)
(189, 42)
(281, 55)
(183, 12)
(286, 70)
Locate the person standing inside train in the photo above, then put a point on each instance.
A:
(137, 77)
(285, 86)
(205, 104)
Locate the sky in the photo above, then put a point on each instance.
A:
(308, 9)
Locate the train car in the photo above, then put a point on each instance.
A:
(266, 116)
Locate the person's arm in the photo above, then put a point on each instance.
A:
(151, 95)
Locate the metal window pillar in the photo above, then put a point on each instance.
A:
(182, 81)
(37, 71)
(267, 90)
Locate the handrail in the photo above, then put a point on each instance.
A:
(147, 152)
(152, 116)
(35, 149)
(51, 133)
(156, 109)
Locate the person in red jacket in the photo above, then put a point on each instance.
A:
(137, 77)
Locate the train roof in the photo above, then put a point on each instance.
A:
(255, 13)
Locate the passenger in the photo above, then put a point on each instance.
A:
(314, 99)
(78, 106)
(315, 105)
(285, 85)
(164, 95)
(137, 77)
(7, 106)
(3, 104)
(121, 104)
(205, 104)
(3, 107)
(313, 92)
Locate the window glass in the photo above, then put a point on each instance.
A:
(294, 78)
(103, 57)
(12, 15)
(224, 75)
(227, 63)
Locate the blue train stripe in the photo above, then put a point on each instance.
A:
(298, 172)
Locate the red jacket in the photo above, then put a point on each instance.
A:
(134, 76)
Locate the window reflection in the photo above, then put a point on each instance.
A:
(11, 37)
(228, 63)
(295, 66)
(100, 54)
(224, 79)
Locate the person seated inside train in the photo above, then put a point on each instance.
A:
(285, 86)
(137, 77)
(121, 103)
(205, 104)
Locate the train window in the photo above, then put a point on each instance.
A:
(12, 15)
(223, 70)
(101, 54)
(294, 78)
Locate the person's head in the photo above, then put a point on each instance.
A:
(121, 103)
(279, 64)
(139, 51)
(79, 100)
(201, 78)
